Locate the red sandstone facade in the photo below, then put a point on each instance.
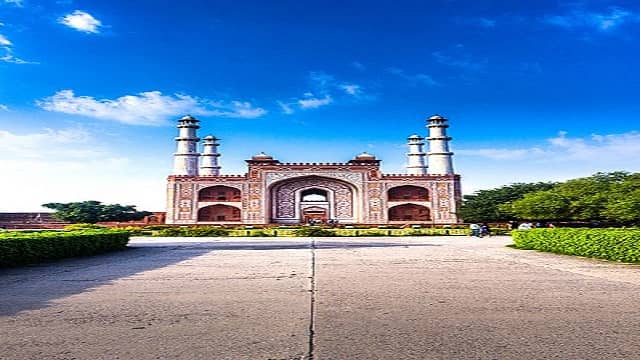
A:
(271, 192)
(355, 192)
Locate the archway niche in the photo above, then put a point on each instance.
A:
(219, 213)
(409, 212)
(299, 199)
(408, 193)
(314, 195)
(219, 193)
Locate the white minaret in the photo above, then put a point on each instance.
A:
(439, 155)
(209, 157)
(185, 160)
(417, 164)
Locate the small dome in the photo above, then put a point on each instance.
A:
(261, 156)
(210, 138)
(188, 118)
(437, 117)
(365, 156)
(415, 137)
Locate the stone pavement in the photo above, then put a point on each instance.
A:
(323, 298)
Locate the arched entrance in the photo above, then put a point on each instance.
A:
(300, 199)
(219, 213)
(408, 193)
(409, 212)
(219, 193)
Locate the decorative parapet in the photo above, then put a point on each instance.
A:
(207, 177)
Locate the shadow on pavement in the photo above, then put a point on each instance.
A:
(271, 245)
(37, 286)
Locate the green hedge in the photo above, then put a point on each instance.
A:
(216, 231)
(22, 248)
(610, 244)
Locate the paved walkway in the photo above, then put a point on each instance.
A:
(341, 298)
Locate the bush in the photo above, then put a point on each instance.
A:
(200, 231)
(157, 227)
(18, 248)
(610, 244)
(84, 226)
(137, 231)
(313, 232)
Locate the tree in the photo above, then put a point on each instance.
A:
(484, 205)
(624, 201)
(94, 211)
(539, 205)
(604, 197)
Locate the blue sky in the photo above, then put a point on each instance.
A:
(90, 90)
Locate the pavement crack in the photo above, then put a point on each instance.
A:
(312, 302)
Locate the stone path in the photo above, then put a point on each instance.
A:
(340, 298)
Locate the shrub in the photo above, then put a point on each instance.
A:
(157, 227)
(199, 231)
(17, 248)
(137, 231)
(313, 232)
(610, 244)
(83, 226)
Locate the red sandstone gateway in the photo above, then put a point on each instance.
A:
(354, 192)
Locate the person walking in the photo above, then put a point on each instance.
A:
(475, 229)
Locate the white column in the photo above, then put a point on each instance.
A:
(209, 157)
(185, 159)
(440, 158)
(417, 164)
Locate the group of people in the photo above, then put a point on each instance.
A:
(480, 230)
(529, 226)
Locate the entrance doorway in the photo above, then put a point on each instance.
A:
(315, 215)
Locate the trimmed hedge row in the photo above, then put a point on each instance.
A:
(300, 231)
(610, 244)
(22, 248)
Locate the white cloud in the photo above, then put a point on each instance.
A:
(314, 102)
(48, 144)
(558, 158)
(601, 21)
(8, 57)
(596, 148)
(4, 107)
(4, 41)
(322, 81)
(286, 108)
(81, 21)
(71, 164)
(146, 108)
(351, 89)
(415, 78)
(17, 3)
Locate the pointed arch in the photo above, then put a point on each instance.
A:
(408, 193)
(219, 213)
(409, 212)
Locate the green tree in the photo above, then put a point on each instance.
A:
(610, 197)
(94, 211)
(484, 205)
(539, 205)
(623, 203)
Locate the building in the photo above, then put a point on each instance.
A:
(352, 192)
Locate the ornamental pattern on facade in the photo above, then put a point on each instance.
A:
(355, 191)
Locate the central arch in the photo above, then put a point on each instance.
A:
(299, 199)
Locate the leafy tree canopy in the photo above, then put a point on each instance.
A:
(94, 211)
(611, 197)
(484, 205)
